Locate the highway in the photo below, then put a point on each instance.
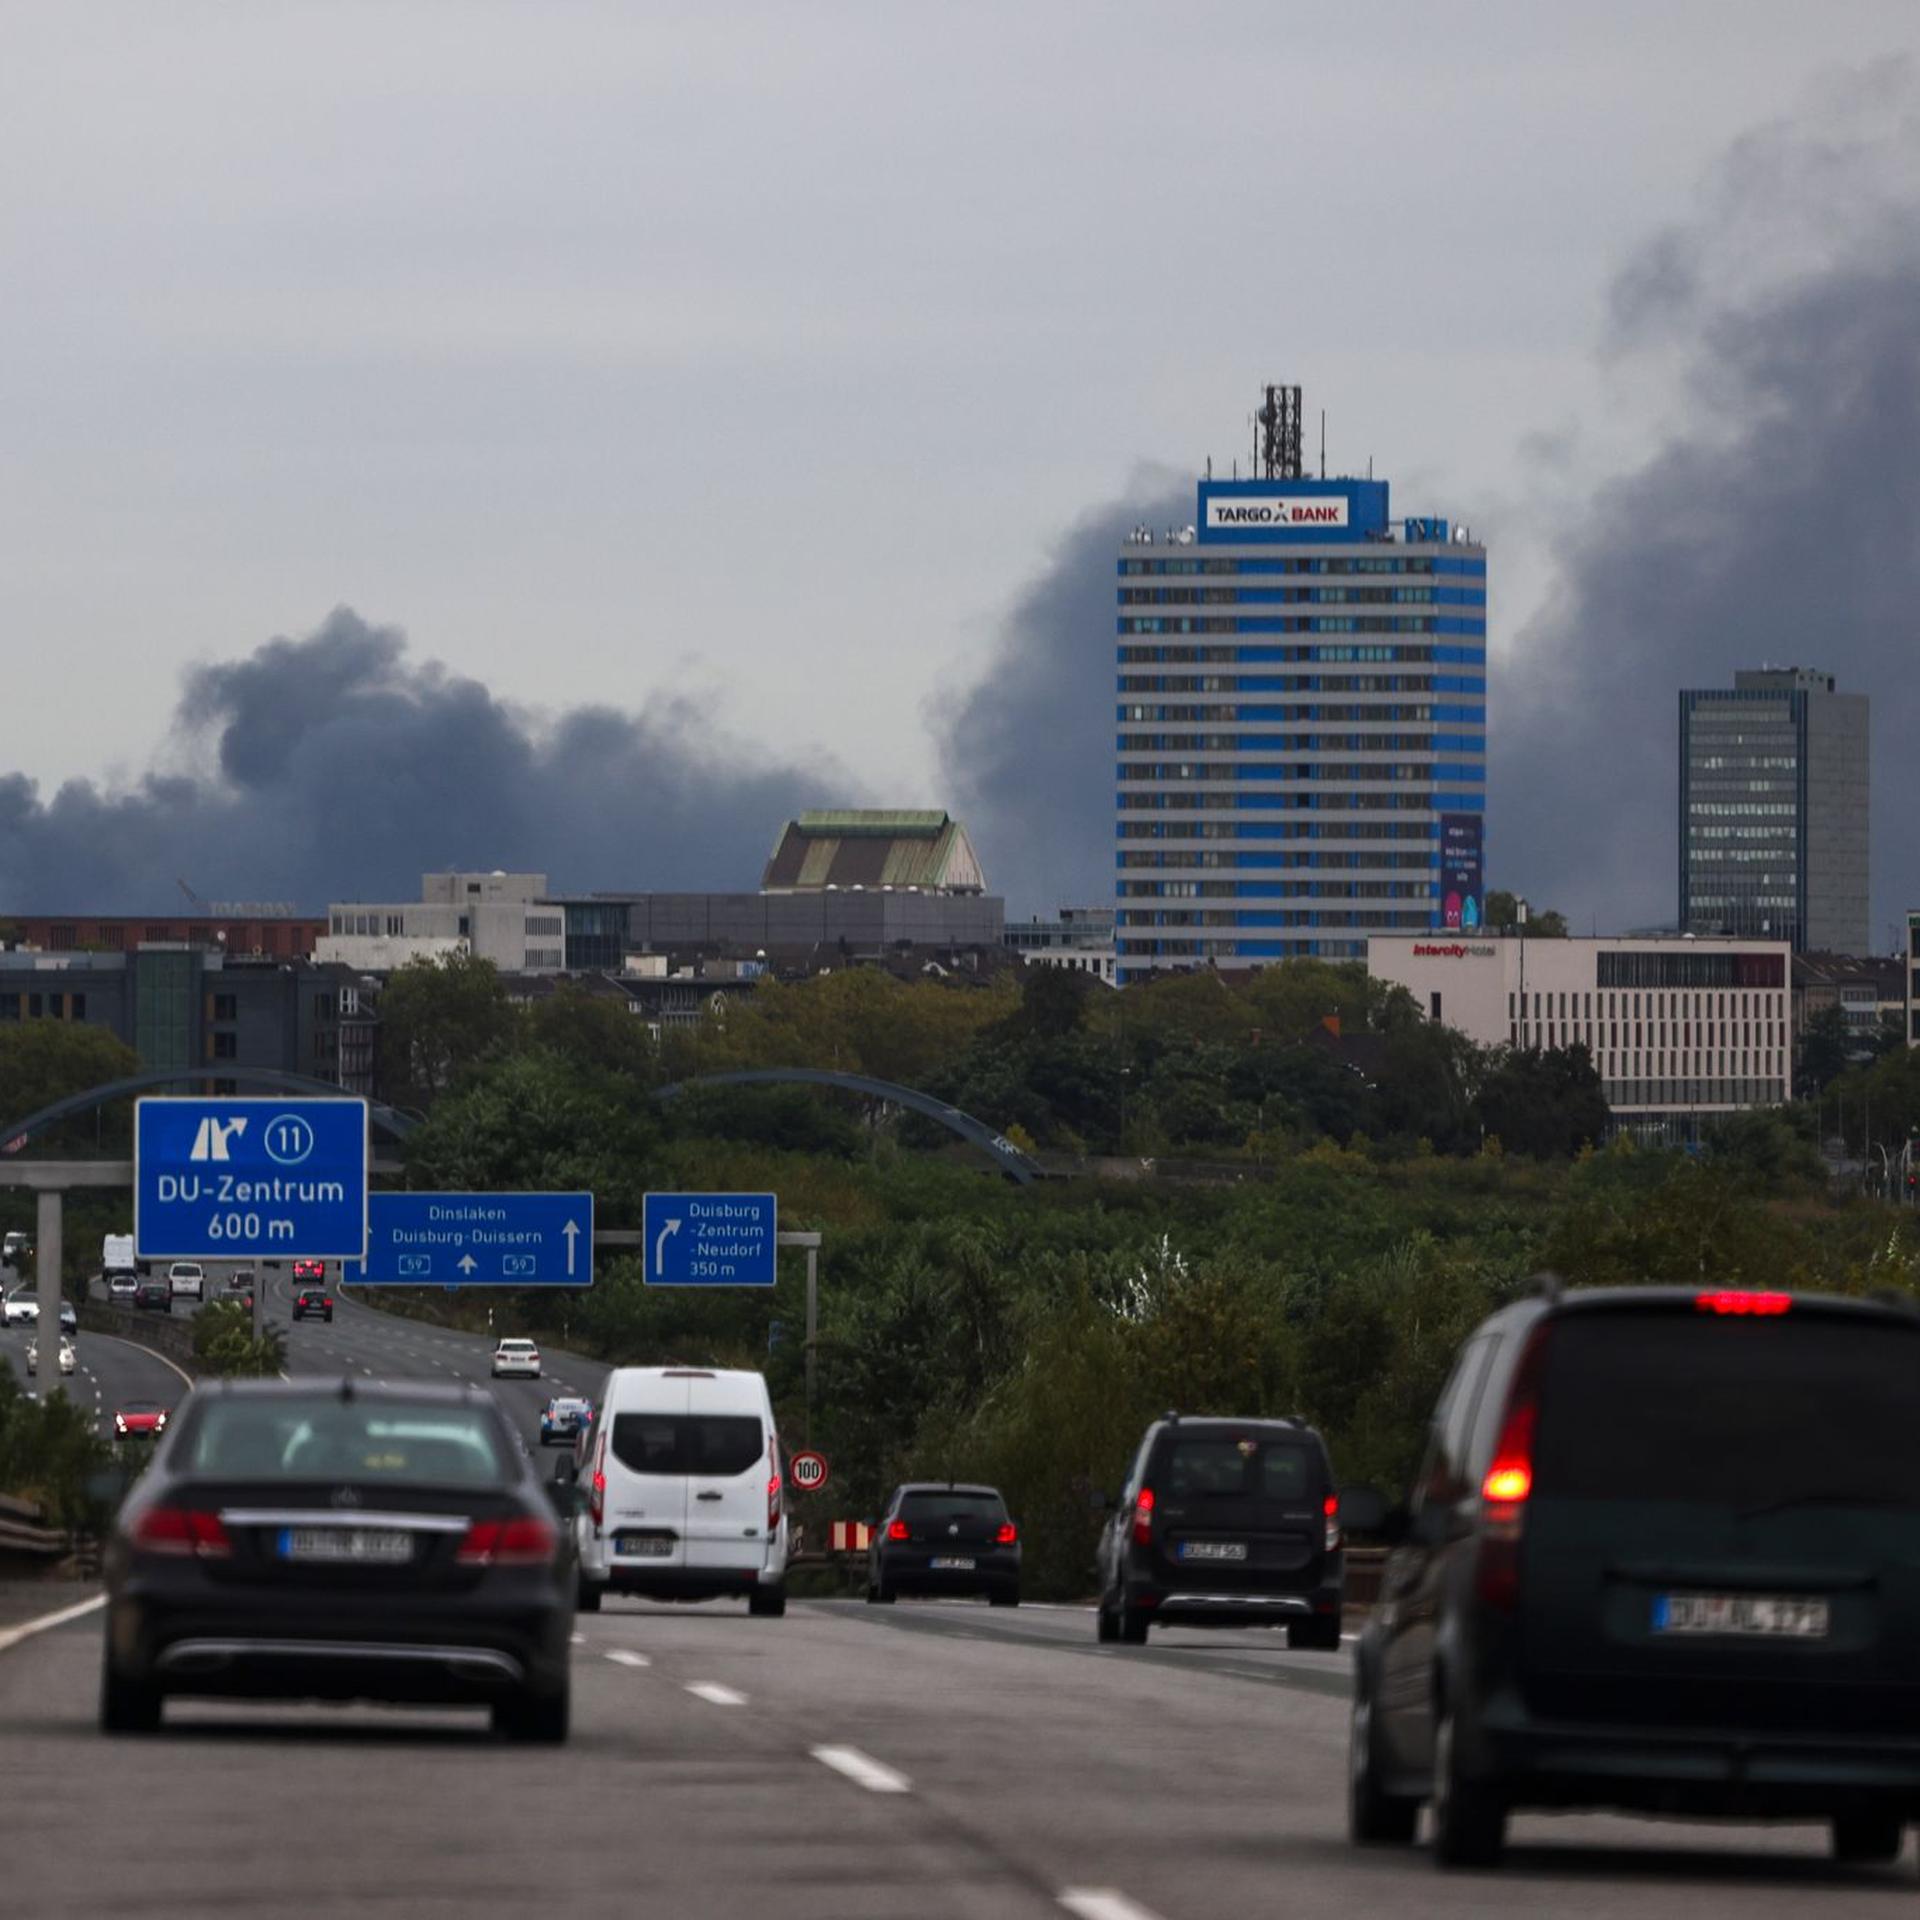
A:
(929, 1759)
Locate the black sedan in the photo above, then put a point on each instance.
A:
(315, 1540)
(154, 1293)
(945, 1538)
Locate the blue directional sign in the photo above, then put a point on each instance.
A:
(246, 1179)
(710, 1239)
(479, 1240)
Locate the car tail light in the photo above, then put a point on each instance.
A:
(1736, 1300)
(326, 1302)
(1008, 1534)
(899, 1530)
(1330, 1507)
(773, 1485)
(524, 1541)
(597, 1486)
(1143, 1518)
(1508, 1483)
(182, 1530)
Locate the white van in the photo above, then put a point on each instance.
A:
(682, 1493)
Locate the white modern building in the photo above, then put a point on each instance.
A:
(1080, 940)
(1679, 1030)
(502, 917)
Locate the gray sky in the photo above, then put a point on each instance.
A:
(747, 369)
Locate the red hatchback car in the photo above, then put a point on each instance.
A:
(140, 1420)
(313, 1270)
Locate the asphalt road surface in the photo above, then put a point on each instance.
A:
(930, 1759)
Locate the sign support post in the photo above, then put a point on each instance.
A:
(48, 1249)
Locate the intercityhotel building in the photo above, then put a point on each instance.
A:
(1679, 1029)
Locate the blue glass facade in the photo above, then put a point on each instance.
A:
(1318, 749)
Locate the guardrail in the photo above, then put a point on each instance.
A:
(22, 1537)
(157, 1332)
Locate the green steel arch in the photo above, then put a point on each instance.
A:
(1004, 1154)
(390, 1120)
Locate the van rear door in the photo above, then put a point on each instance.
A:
(1237, 1509)
(645, 1518)
(1723, 1528)
(728, 1450)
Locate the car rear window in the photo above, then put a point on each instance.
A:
(1240, 1467)
(717, 1444)
(945, 1505)
(279, 1439)
(1729, 1411)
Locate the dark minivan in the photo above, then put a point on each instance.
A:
(1225, 1523)
(1663, 1555)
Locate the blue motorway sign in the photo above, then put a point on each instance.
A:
(710, 1239)
(479, 1240)
(248, 1178)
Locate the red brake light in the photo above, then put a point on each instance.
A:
(899, 1530)
(1143, 1518)
(1741, 1301)
(597, 1486)
(1510, 1478)
(182, 1530)
(524, 1541)
(1330, 1509)
(1508, 1482)
(773, 1504)
(1007, 1535)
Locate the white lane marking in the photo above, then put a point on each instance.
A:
(621, 1657)
(1103, 1903)
(863, 1769)
(14, 1635)
(148, 1351)
(716, 1694)
(578, 1639)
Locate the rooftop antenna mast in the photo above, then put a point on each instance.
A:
(1279, 421)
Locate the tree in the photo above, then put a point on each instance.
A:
(1826, 1048)
(439, 1020)
(42, 1061)
(1546, 1105)
(1503, 916)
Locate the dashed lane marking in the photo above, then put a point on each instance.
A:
(1103, 1903)
(14, 1635)
(624, 1657)
(715, 1694)
(863, 1769)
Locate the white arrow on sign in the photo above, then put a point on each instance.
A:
(466, 1263)
(572, 1231)
(660, 1246)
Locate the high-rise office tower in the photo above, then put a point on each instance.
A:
(1302, 720)
(1773, 810)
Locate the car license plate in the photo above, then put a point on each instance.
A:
(1213, 1550)
(645, 1546)
(1748, 1616)
(377, 1546)
(951, 1565)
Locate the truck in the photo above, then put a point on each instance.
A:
(116, 1254)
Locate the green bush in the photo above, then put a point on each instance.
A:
(223, 1342)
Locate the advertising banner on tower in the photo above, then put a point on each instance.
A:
(1462, 878)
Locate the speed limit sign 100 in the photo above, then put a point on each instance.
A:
(808, 1472)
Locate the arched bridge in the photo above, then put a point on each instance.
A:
(1004, 1154)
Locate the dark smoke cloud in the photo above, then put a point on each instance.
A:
(1774, 525)
(1029, 752)
(339, 768)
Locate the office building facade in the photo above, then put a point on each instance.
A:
(1678, 1030)
(502, 917)
(1302, 728)
(1773, 811)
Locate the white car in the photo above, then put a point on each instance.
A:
(685, 1491)
(67, 1356)
(187, 1277)
(520, 1358)
(23, 1310)
(122, 1284)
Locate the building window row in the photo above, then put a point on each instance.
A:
(1219, 565)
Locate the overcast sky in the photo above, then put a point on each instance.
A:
(747, 370)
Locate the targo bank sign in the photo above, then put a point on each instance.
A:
(1238, 511)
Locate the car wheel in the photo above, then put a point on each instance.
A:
(883, 1593)
(1106, 1623)
(1469, 1818)
(1374, 1818)
(768, 1603)
(587, 1597)
(328, 1318)
(1005, 1597)
(536, 1718)
(1134, 1622)
(127, 1706)
(1867, 1837)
